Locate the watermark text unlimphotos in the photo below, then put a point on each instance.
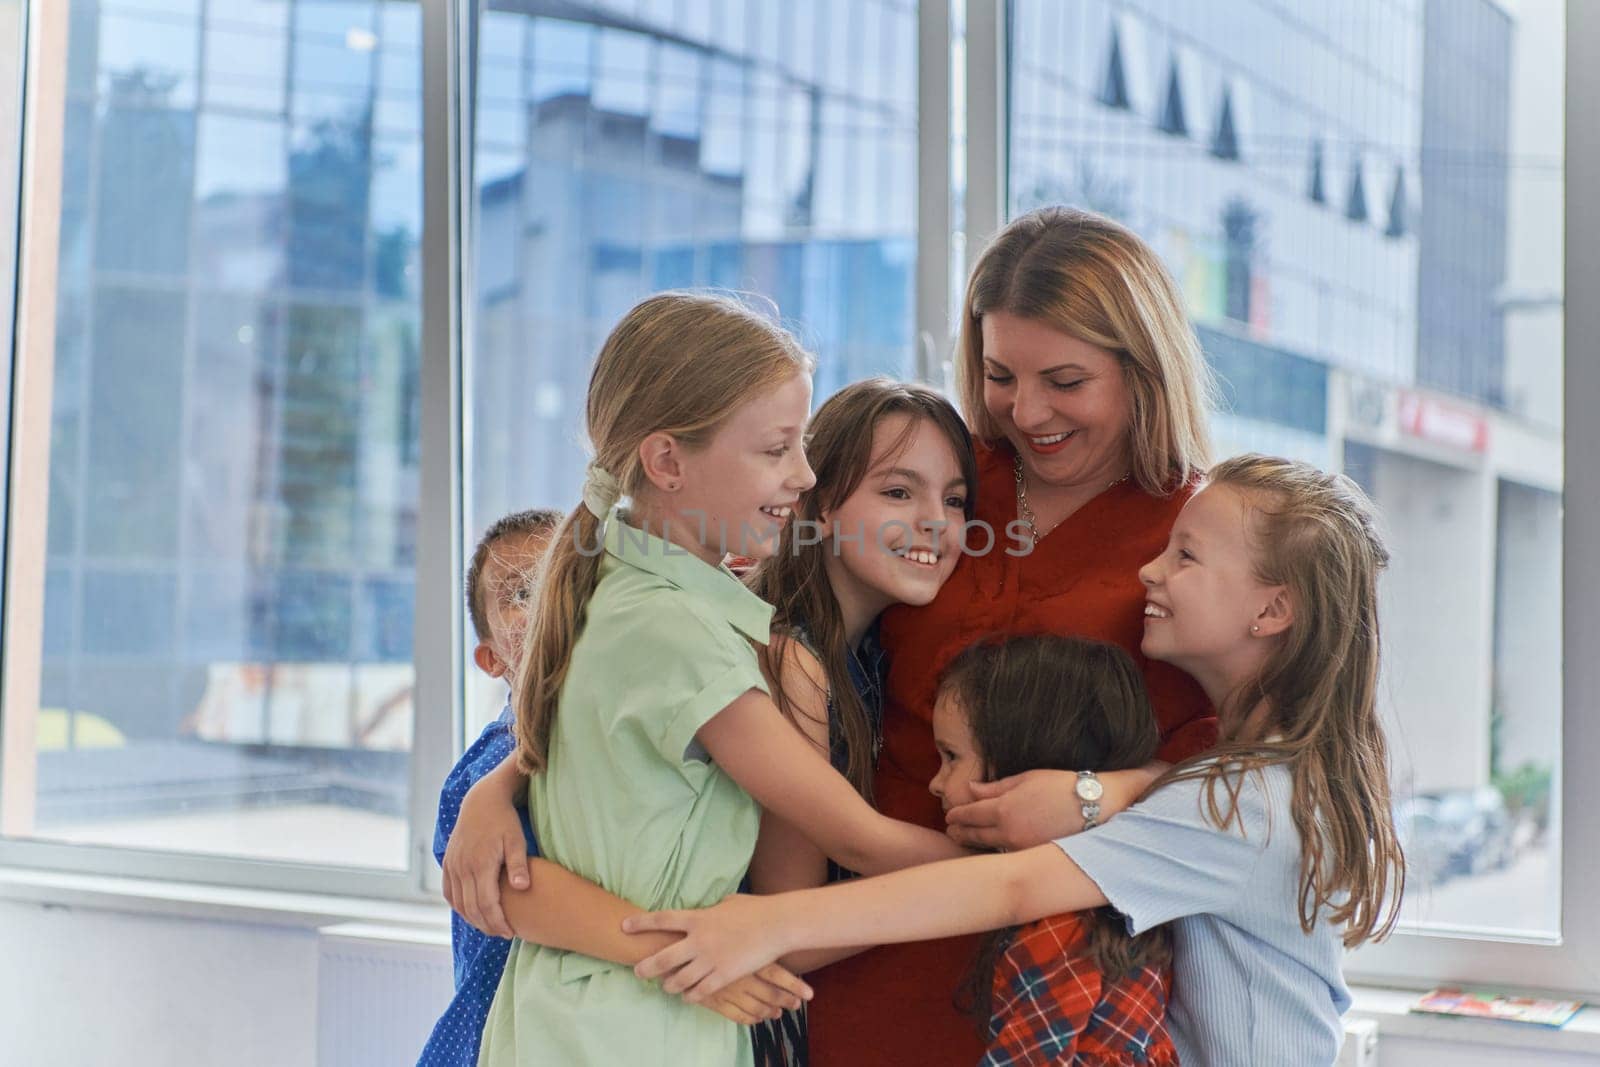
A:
(895, 537)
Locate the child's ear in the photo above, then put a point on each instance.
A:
(489, 663)
(662, 459)
(1276, 617)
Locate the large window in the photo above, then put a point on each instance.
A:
(231, 483)
(1363, 205)
(624, 148)
(310, 290)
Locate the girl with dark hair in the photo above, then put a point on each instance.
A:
(1075, 987)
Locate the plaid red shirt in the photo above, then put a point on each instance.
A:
(1052, 1005)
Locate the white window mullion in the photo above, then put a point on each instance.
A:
(987, 124)
(437, 626)
(933, 188)
(33, 372)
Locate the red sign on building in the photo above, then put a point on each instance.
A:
(1442, 423)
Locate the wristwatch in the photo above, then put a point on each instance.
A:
(1089, 792)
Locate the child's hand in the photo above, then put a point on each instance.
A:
(721, 944)
(767, 994)
(487, 837)
(1034, 807)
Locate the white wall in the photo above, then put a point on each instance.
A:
(83, 987)
(1437, 610)
(1534, 325)
(1529, 626)
(80, 988)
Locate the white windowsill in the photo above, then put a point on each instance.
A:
(427, 926)
(1391, 1010)
(222, 903)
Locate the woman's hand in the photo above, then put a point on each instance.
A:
(767, 994)
(1037, 806)
(721, 944)
(487, 837)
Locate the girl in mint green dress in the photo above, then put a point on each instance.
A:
(642, 706)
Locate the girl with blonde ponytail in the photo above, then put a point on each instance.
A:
(642, 711)
(1269, 855)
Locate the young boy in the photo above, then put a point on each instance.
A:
(499, 596)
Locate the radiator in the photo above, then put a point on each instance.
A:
(379, 992)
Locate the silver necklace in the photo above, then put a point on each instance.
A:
(1025, 510)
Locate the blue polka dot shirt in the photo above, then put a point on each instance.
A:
(479, 958)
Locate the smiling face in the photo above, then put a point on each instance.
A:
(1205, 610)
(1062, 403)
(908, 512)
(959, 762)
(735, 494)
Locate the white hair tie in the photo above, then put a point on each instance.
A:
(601, 490)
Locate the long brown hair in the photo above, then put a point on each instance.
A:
(1316, 535)
(1062, 703)
(794, 578)
(1096, 280)
(677, 363)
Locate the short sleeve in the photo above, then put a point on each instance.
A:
(713, 665)
(1163, 858)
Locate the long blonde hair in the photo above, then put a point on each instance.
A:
(678, 363)
(1316, 535)
(794, 580)
(1096, 280)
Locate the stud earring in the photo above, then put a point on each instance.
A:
(1255, 629)
(672, 487)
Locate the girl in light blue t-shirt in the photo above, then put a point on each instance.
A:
(1269, 855)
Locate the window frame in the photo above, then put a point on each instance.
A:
(13, 18)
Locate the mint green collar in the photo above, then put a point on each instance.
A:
(717, 587)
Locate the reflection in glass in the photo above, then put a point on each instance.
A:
(233, 476)
(686, 149)
(1364, 213)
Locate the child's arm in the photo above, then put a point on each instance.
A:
(750, 740)
(785, 858)
(936, 900)
(1164, 859)
(1031, 808)
(561, 910)
(487, 838)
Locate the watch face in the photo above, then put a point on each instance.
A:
(1089, 789)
